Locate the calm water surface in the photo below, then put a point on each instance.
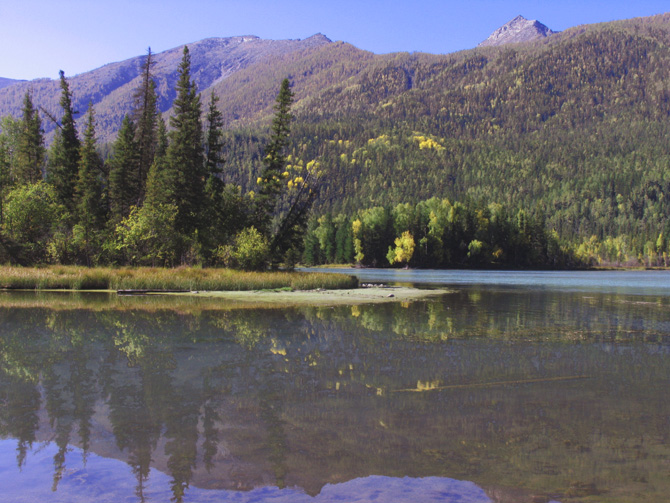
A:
(514, 387)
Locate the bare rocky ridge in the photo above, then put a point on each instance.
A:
(518, 30)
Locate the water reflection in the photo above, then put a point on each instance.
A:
(104, 480)
(532, 396)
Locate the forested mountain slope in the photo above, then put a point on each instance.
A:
(575, 126)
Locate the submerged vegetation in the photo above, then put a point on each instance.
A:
(181, 278)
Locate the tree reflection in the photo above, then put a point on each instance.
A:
(460, 387)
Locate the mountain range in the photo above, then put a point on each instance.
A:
(244, 70)
(110, 88)
(574, 123)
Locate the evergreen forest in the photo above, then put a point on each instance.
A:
(159, 198)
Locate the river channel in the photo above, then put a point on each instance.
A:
(525, 387)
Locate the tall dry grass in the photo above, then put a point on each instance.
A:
(182, 278)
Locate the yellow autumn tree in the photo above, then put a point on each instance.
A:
(403, 251)
(356, 226)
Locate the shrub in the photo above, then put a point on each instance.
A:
(30, 215)
(251, 250)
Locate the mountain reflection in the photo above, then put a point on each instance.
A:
(550, 395)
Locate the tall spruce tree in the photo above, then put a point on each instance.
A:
(214, 145)
(88, 191)
(145, 116)
(214, 188)
(161, 181)
(123, 173)
(65, 151)
(270, 182)
(185, 151)
(30, 152)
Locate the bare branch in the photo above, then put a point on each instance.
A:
(51, 116)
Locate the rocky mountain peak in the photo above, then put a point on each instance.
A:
(320, 38)
(516, 31)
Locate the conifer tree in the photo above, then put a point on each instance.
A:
(30, 152)
(88, 191)
(161, 180)
(270, 181)
(185, 151)
(217, 212)
(214, 145)
(65, 151)
(123, 173)
(146, 120)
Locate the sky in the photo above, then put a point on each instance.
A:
(40, 37)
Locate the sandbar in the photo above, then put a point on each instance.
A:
(322, 297)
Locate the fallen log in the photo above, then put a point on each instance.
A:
(146, 291)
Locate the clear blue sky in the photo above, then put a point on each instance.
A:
(39, 37)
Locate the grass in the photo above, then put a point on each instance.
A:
(182, 278)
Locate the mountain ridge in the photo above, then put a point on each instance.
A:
(110, 87)
(517, 31)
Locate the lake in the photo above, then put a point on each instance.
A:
(525, 387)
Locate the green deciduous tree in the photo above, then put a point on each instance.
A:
(31, 215)
(147, 237)
(250, 250)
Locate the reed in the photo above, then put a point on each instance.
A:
(181, 278)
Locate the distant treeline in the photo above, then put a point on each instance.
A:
(436, 233)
